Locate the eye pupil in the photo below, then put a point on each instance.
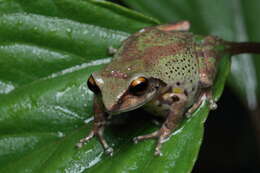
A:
(139, 86)
(92, 85)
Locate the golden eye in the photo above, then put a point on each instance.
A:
(138, 86)
(92, 85)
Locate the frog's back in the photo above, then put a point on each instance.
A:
(169, 56)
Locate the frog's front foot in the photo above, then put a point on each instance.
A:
(161, 135)
(99, 134)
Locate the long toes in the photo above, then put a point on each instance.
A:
(158, 152)
(213, 105)
(153, 135)
(142, 138)
(136, 140)
(109, 151)
(84, 140)
(160, 135)
(79, 145)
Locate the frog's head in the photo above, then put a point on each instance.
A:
(127, 82)
(124, 86)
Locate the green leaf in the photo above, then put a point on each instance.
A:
(48, 49)
(231, 20)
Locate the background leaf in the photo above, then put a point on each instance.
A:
(47, 51)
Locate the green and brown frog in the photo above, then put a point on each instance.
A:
(165, 69)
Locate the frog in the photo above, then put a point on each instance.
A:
(166, 70)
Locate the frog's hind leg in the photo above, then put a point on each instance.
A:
(207, 73)
(175, 115)
(206, 94)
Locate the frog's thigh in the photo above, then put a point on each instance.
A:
(176, 111)
(174, 117)
(207, 71)
(177, 103)
(205, 80)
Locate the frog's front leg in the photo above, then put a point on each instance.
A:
(100, 120)
(175, 115)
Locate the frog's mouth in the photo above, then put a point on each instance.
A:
(129, 103)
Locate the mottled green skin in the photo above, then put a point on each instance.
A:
(178, 59)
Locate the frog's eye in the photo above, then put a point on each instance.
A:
(92, 85)
(138, 86)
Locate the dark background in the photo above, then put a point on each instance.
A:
(230, 143)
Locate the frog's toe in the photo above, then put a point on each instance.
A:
(161, 135)
(148, 136)
(158, 152)
(79, 145)
(138, 139)
(212, 105)
(84, 140)
(135, 139)
(109, 151)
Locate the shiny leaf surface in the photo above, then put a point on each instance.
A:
(48, 49)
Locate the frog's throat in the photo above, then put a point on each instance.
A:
(150, 97)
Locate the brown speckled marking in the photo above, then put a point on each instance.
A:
(153, 54)
(154, 45)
